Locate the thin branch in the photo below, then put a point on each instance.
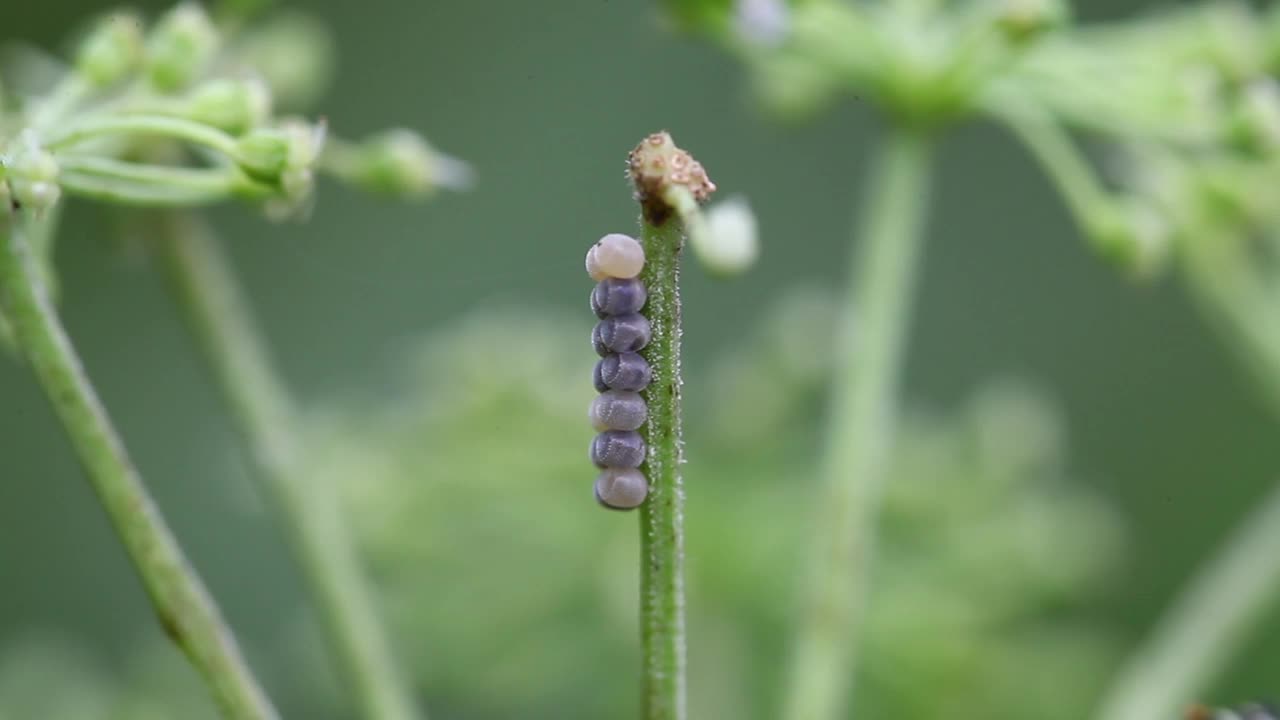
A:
(205, 287)
(871, 340)
(183, 606)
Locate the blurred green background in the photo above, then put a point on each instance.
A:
(545, 99)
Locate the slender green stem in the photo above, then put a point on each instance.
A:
(1062, 161)
(662, 622)
(114, 125)
(127, 192)
(153, 185)
(871, 341)
(205, 287)
(1192, 644)
(184, 608)
(222, 179)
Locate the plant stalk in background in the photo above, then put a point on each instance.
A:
(179, 115)
(871, 339)
(184, 608)
(205, 288)
(1196, 639)
(1212, 617)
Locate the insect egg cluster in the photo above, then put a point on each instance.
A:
(617, 413)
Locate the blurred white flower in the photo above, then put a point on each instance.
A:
(732, 244)
(762, 22)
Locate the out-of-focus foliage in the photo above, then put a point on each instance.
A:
(513, 593)
(49, 678)
(473, 494)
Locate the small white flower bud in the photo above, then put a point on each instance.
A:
(400, 162)
(111, 50)
(33, 176)
(233, 105)
(293, 52)
(732, 242)
(180, 47)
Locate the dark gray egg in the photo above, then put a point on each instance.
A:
(616, 296)
(617, 449)
(621, 488)
(621, 333)
(618, 410)
(622, 371)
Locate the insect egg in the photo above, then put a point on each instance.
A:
(617, 449)
(618, 410)
(621, 333)
(614, 262)
(615, 296)
(621, 488)
(622, 371)
(615, 255)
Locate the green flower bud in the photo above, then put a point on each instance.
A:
(235, 106)
(33, 176)
(293, 53)
(263, 153)
(284, 156)
(1135, 236)
(732, 243)
(180, 47)
(1025, 20)
(111, 50)
(400, 162)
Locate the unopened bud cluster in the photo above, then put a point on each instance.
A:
(133, 93)
(615, 262)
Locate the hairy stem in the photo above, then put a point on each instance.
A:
(871, 341)
(205, 287)
(1197, 637)
(183, 606)
(662, 622)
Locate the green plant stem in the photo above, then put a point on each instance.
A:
(871, 340)
(205, 287)
(662, 620)
(157, 125)
(153, 185)
(1062, 161)
(1196, 638)
(127, 192)
(223, 179)
(183, 607)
